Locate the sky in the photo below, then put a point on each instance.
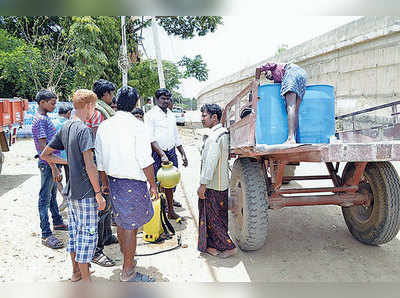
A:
(240, 42)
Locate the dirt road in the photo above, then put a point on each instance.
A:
(304, 243)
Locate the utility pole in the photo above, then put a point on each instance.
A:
(158, 52)
(123, 61)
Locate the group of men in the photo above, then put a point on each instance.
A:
(113, 154)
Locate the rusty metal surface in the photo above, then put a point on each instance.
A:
(344, 200)
(352, 188)
(384, 133)
(329, 152)
(315, 177)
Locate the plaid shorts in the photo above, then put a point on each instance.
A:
(82, 227)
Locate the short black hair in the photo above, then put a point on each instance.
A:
(127, 98)
(138, 111)
(65, 107)
(162, 91)
(211, 109)
(102, 86)
(45, 95)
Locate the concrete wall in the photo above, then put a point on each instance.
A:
(360, 59)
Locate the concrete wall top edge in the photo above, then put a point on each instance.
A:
(358, 31)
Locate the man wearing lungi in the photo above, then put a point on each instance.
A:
(161, 123)
(84, 193)
(293, 79)
(123, 153)
(213, 189)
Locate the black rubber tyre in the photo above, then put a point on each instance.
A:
(380, 222)
(248, 217)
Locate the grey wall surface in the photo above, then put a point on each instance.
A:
(360, 59)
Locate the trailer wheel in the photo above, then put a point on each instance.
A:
(380, 222)
(248, 216)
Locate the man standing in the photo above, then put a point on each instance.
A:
(84, 195)
(213, 189)
(43, 130)
(164, 137)
(105, 92)
(123, 153)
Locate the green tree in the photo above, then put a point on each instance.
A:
(144, 77)
(17, 61)
(194, 68)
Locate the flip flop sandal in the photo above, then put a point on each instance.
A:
(103, 260)
(53, 242)
(139, 277)
(90, 273)
(62, 227)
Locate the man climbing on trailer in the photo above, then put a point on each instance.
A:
(293, 79)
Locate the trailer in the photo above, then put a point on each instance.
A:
(11, 119)
(367, 189)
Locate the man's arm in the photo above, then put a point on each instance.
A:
(93, 177)
(159, 151)
(183, 154)
(149, 172)
(209, 166)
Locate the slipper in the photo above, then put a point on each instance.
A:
(53, 242)
(225, 254)
(62, 227)
(216, 255)
(177, 204)
(139, 277)
(111, 240)
(102, 260)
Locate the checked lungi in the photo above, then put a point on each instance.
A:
(294, 80)
(131, 203)
(82, 227)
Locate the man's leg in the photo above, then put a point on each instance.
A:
(55, 213)
(76, 273)
(100, 258)
(128, 245)
(292, 117)
(169, 193)
(44, 199)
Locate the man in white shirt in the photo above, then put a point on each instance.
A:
(213, 190)
(164, 137)
(123, 153)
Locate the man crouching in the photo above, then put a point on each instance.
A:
(84, 193)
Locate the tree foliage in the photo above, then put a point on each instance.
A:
(65, 53)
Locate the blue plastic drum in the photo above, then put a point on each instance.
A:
(316, 115)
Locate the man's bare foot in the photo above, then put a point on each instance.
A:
(173, 215)
(290, 141)
(212, 251)
(76, 275)
(228, 253)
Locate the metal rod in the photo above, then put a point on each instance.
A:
(352, 188)
(345, 200)
(320, 177)
(368, 110)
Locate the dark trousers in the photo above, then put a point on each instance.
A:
(104, 228)
(48, 200)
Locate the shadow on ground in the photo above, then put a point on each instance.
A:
(8, 182)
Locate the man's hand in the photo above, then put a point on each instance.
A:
(153, 191)
(164, 157)
(100, 201)
(201, 191)
(105, 189)
(57, 176)
(185, 161)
